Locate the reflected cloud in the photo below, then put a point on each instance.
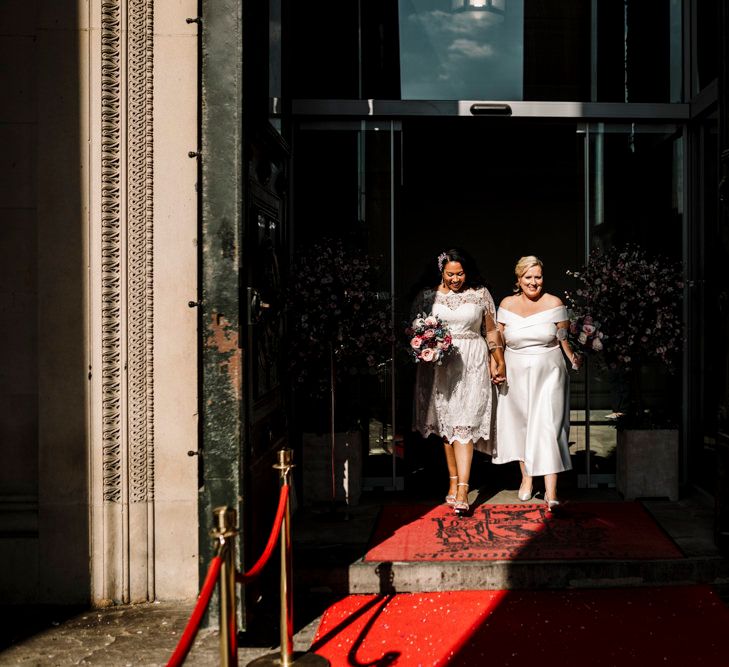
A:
(461, 55)
(468, 48)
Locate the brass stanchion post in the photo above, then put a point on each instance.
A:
(286, 655)
(225, 531)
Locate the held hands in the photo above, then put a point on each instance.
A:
(498, 371)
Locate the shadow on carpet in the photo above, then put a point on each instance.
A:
(619, 627)
(584, 531)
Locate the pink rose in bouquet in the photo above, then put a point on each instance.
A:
(428, 354)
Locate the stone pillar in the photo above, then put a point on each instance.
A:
(175, 285)
(142, 258)
(99, 231)
(143, 275)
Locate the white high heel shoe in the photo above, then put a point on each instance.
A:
(525, 495)
(551, 504)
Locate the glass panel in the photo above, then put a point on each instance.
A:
(637, 51)
(635, 176)
(636, 186)
(502, 190)
(344, 192)
(709, 404)
(706, 44)
(274, 63)
(473, 49)
(572, 50)
(461, 186)
(324, 60)
(557, 50)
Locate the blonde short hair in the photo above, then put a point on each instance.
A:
(522, 266)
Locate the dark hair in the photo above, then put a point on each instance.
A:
(474, 279)
(431, 276)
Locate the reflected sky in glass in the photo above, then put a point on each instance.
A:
(451, 52)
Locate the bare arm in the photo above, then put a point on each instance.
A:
(574, 358)
(494, 340)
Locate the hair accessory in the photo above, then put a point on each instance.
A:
(441, 260)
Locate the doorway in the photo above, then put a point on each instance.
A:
(502, 188)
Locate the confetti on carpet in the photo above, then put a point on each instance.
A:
(616, 627)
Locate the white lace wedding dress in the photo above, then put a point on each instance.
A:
(533, 405)
(455, 400)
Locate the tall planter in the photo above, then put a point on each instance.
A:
(721, 498)
(647, 463)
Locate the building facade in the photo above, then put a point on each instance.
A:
(168, 161)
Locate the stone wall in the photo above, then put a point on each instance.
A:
(98, 388)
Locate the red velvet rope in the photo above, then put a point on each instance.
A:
(244, 577)
(193, 625)
(211, 579)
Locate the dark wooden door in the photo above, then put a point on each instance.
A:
(264, 272)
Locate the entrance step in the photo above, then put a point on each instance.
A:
(342, 556)
(412, 577)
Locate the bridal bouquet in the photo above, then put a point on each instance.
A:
(430, 339)
(585, 334)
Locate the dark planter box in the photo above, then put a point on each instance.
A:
(721, 498)
(647, 463)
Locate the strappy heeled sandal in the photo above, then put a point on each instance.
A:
(461, 506)
(451, 498)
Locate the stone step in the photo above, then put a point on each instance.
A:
(429, 576)
(330, 557)
(370, 577)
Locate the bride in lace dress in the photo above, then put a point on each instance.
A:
(533, 409)
(454, 400)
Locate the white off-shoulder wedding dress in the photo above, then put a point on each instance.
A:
(532, 414)
(455, 400)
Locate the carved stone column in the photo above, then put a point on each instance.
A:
(126, 323)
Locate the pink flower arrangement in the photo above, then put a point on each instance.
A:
(430, 339)
(636, 298)
(335, 306)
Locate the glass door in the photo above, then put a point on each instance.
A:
(501, 189)
(345, 185)
(634, 175)
(402, 191)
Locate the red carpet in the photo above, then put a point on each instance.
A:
(617, 530)
(678, 625)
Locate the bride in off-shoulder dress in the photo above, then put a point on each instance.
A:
(533, 412)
